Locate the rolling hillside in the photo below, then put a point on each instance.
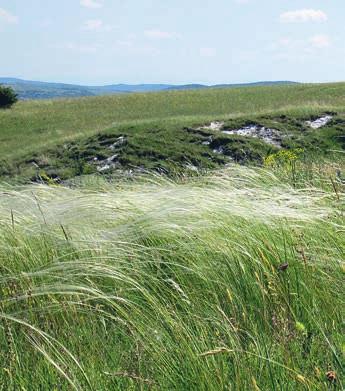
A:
(168, 131)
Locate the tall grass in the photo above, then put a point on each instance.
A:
(231, 281)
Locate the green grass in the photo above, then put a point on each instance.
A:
(57, 140)
(155, 284)
(175, 149)
(229, 280)
(34, 125)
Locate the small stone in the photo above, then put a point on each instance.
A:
(320, 122)
(120, 141)
(219, 150)
(112, 158)
(103, 168)
(215, 125)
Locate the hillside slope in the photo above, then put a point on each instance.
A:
(168, 131)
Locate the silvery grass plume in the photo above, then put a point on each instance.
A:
(157, 204)
(142, 281)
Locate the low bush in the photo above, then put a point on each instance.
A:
(8, 97)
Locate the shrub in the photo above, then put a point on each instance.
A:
(7, 97)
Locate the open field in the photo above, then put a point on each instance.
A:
(61, 137)
(38, 124)
(228, 275)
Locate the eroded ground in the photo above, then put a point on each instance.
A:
(174, 149)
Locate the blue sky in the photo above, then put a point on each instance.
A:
(172, 41)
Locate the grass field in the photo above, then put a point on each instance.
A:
(38, 124)
(61, 136)
(228, 278)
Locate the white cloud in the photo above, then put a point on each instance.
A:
(320, 41)
(8, 17)
(158, 34)
(91, 4)
(207, 52)
(303, 15)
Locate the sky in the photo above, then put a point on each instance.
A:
(98, 42)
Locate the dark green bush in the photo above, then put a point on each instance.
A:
(7, 97)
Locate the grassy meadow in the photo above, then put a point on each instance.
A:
(228, 275)
(36, 125)
(57, 139)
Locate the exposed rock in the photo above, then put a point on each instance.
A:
(104, 168)
(106, 164)
(320, 122)
(112, 158)
(269, 136)
(120, 141)
(208, 141)
(219, 150)
(215, 125)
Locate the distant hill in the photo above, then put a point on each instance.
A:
(256, 84)
(28, 89)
